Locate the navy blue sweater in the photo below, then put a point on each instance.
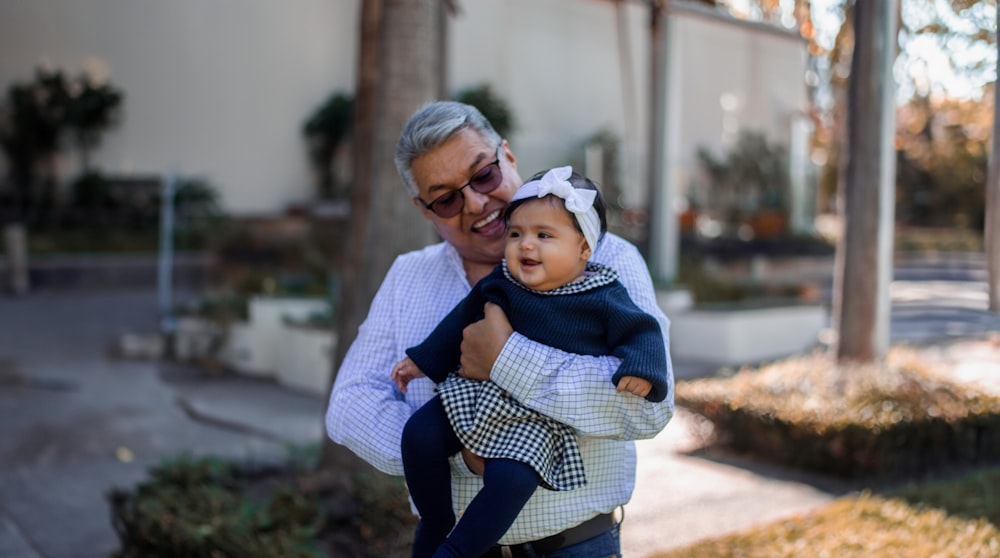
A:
(601, 320)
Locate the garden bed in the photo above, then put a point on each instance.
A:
(897, 418)
(213, 508)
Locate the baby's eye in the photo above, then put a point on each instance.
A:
(544, 235)
(514, 234)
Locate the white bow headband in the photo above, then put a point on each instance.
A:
(579, 202)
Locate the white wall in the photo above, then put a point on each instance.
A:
(221, 87)
(758, 73)
(218, 88)
(557, 62)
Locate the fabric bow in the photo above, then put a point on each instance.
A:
(578, 201)
(556, 182)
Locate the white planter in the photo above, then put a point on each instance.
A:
(745, 336)
(674, 301)
(237, 352)
(267, 324)
(195, 338)
(305, 358)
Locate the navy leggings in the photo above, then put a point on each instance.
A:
(428, 443)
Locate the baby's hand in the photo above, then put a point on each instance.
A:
(634, 385)
(404, 371)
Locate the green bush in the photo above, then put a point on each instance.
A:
(199, 508)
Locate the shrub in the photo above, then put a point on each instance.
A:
(897, 417)
(196, 508)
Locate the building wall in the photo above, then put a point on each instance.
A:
(728, 77)
(216, 88)
(221, 88)
(559, 64)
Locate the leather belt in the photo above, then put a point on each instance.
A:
(574, 535)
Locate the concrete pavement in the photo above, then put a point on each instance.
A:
(75, 422)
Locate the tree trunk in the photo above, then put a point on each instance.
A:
(399, 71)
(864, 253)
(992, 229)
(15, 238)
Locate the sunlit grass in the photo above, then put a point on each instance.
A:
(954, 518)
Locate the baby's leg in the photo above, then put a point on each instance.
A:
(428, 442)
(507, 486)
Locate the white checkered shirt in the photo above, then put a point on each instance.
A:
(367, 412)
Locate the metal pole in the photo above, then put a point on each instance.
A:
(164, 272)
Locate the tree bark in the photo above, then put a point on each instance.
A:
(864, 252)
(992, 229)
(399, 71)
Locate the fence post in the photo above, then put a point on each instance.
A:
(165, 272)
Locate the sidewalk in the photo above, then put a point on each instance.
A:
(76, 422)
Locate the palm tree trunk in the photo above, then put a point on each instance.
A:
(992, 229)
(400, 70)
(864, 253)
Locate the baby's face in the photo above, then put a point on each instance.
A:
(544, 248)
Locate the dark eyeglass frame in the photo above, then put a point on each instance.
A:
(440, 203)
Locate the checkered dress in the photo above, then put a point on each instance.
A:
(581, 317)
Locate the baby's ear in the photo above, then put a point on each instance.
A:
(584, 249)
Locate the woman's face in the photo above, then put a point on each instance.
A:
(477, 232)
(544, 248)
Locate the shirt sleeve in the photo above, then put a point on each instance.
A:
(363, 385)
(577, 390)
(367, 411)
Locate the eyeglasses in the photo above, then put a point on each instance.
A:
(484, 181)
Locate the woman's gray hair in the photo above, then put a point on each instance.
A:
(431, 126)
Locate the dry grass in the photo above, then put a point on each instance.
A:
(956, 518)
(895, 417)
(815, 391)
(900, 415)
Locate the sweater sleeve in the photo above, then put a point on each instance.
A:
(635, 337)
(440, 353)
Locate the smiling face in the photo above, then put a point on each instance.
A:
(477, 232)
(544, 248)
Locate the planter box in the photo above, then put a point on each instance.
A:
(743, 336)
(268, 317)
(674, 301)
(304, 360)
(195, 338)
(237, 351)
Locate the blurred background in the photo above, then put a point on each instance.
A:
(250, 107)
(718, 121)
(178, 185)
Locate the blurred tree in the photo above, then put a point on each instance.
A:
(751, 177)
(958, 34)
(942, 160)
(93, 107)
(493, 107)
(992, 227)
(864, 250)
(325, 130)
(400, 64)
(33, 120)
